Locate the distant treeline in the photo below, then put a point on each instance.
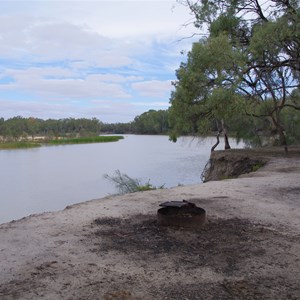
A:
(252, 130)
(19, 127)
(151, 122)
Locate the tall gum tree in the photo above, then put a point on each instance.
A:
(247, 66)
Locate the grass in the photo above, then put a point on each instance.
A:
(81, 140)
(18, 145)
(85, 140)
(125, 184)
(257, 166)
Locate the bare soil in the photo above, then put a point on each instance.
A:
(228, 247)
(113, 248)
(226, 164)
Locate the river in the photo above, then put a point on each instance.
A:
(51, 177)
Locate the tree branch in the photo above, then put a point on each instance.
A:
(260, 12)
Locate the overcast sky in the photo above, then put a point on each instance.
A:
(111, 60)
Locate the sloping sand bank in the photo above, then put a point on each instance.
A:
(112, 248)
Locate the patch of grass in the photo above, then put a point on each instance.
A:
(257, 166)
(85, 140)
(125, 184)
(18, 145)
(227, 177)
(148, 187)
(81, 140)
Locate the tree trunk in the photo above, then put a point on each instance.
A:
(217, 143)
(282, 139)
(281, 132)
(227, 145)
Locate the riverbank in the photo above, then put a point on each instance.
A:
(112, 248)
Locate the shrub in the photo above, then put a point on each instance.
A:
(125, 184)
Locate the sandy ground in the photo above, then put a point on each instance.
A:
(113, 248)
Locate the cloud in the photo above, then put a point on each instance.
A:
(104, 110)
(63, 83)
(108, 59)
(44, 110)
(114, 78)
(114, 19)
(162, 105)
(153, 88)
(43, 40)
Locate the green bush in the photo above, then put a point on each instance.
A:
(125, 184)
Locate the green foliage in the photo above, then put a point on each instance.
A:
(204, 91)
(125, 184)
(18, 145)
(151, 122)
(228, 177)
(224, 24)
(117, 128)
(147, 187)
(291, 121)
(85, 140)
(242, 74)
(17, 127)
(256, 167)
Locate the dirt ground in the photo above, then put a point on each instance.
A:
(113, 248)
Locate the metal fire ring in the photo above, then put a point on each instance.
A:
(181, 214)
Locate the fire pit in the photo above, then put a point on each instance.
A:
(181, 214)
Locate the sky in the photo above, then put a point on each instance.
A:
(110, 60)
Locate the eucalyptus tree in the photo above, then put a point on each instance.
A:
(151, 122)
(245, 68)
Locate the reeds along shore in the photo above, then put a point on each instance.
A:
(58, 141)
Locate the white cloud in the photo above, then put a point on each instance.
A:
(40, 40)
(105, 110)
(44, 110)
(88, 58)
(153, 88)
(114, 78)
(62, 83)
(112, 18)
(39, 73)
(161, 105)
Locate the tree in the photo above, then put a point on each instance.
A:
(151, 122)
(247, 66)
(204, 96)
(18, 126)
